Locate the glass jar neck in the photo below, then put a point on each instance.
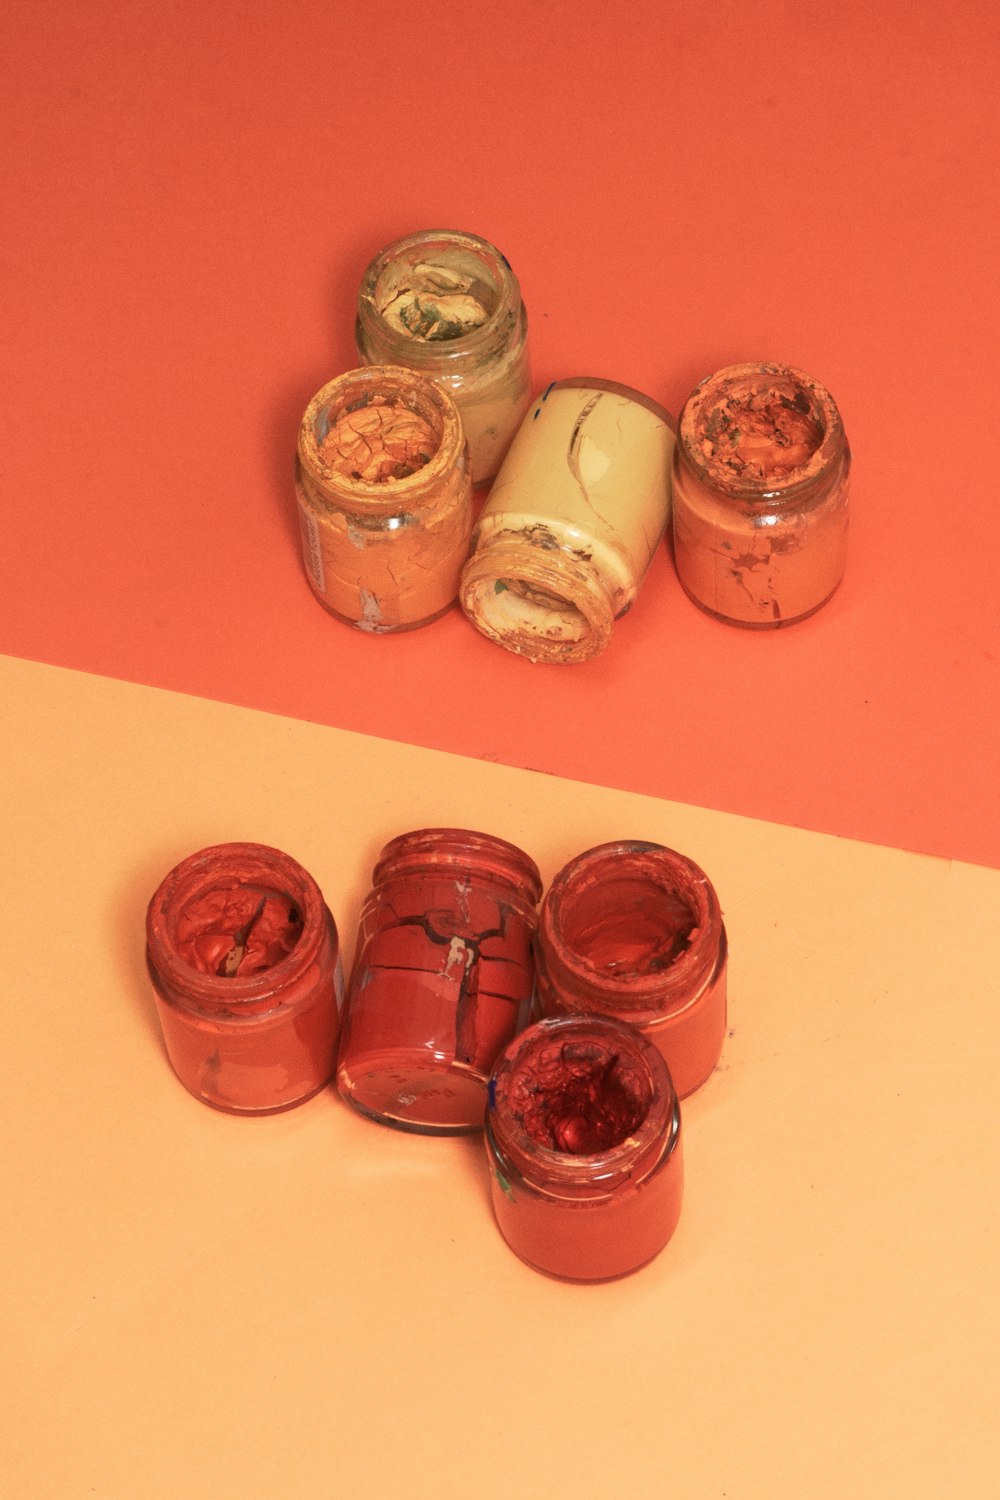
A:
(634, 929)
(230, 867)
(459, 851)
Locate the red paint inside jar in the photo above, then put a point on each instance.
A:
(237, 931)
(583, 1143)
(630, 926)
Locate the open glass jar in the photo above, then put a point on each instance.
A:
(385, 498)
(448, 305)
(245, 967)
(634, 930)
(442, 978)
(583, 1141)
(572, 521)
(760, 507)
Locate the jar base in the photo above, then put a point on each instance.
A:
(447, 1100)
(368, 629)
(268, 1109)
(758, 625)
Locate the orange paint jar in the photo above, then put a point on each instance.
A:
(760, 495)
(583, 1142)
(447, 304)
(384, 495)
(245, 966)
(634, 931)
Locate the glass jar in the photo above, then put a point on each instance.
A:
(634, 930)
(583, 1141)
(245, 966)
(448, 305)
(442, 978)
(572, 521)
(385, 499)
(760, 495)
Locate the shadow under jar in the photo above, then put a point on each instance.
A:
(245, 966)
(385, 498)
(760, 495)
(442, 978)
(634, 930)
(583, 1142)
(448, 305)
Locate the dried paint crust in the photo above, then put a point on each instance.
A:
(761, 496)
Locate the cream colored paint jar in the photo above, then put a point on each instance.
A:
(572, 521)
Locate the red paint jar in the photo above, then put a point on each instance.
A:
(634, 930)
(245, 965)
(443, 977)
(583, 1140)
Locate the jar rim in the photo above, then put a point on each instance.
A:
(215, 868)
(465, 345)
(426, 396)
(667, 991)
(711, 392)
(549, 570)
(587, 1174)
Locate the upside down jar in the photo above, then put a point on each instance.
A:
(442, 978)
(244, 961)
(583, 1143)
(634, 930)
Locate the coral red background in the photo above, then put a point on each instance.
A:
(191, 195)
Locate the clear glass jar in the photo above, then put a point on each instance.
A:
(448, 305)
(245, 966)
(442, 978)
(572, 521)
(634, 930)
(385, 498)
(761, 476)
(583, 1141)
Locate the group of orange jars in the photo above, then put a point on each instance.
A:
(583, 479)
(567, 1034)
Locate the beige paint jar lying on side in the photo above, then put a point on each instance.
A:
(385, 498)
(571, 522)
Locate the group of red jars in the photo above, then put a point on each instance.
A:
(569, 1031)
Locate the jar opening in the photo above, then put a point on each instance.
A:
(629, 924)
(581, 1098)
(234, 931)
(759, 430)
(439, 288)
